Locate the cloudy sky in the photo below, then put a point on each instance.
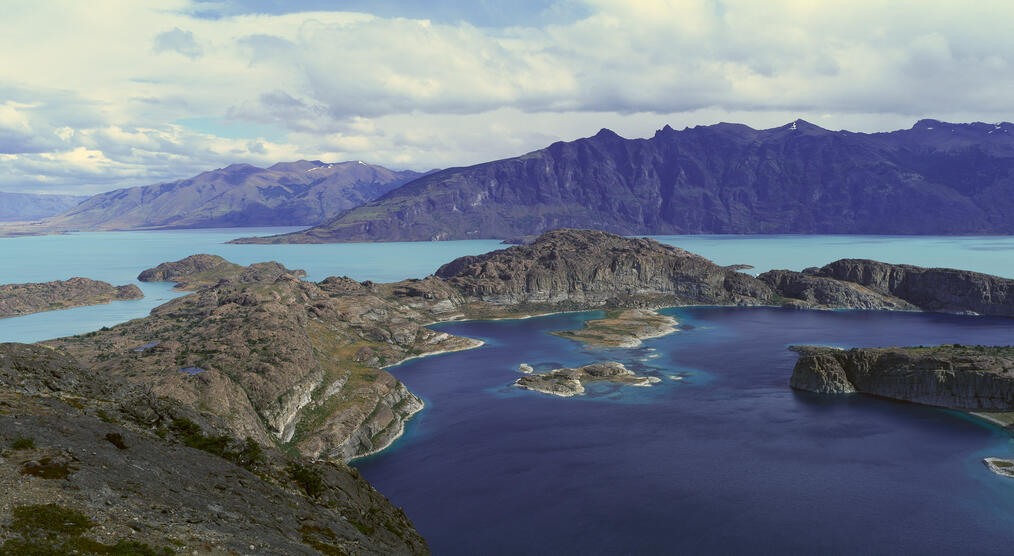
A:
(107, 94)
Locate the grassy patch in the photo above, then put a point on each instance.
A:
(46, 468)
(248, 454)
(322, 540)
(23, 443)
(50, 529)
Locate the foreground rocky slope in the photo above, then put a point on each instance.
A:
(866, 284)
(35, 297)
(953, 376)
(935, 178)
(93, 464)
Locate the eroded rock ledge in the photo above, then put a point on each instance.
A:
(36, 297)
(972, 378)
(567, 382)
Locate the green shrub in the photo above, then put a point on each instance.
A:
(310, 479)
(116, 439)
(23, 443)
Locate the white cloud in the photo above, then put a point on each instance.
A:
(89, 100)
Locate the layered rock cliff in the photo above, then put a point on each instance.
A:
(935, 178)
(35, 297)
(866, 284)
(957, 377)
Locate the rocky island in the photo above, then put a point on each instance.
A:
(975, 379)
(25, 299)
(567, 382)
(622, 328)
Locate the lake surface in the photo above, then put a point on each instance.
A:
(118, 257)
(728, 460)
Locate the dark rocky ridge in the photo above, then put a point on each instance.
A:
(286, 194)
(935, 178)
(957, 377)
(35, 297)
(587, 268)
(114, 453)
(866, 284)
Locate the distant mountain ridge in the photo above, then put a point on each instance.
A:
(935, 178)
(286, 194)
(20, 207)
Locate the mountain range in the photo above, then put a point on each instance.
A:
(935, 178)
(286, 194)
(16, 207)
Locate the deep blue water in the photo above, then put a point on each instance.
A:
(728, 460)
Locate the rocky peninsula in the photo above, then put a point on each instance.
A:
(567, 382)
(25, 299)
(622, 329)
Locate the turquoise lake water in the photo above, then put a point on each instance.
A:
(118, 257)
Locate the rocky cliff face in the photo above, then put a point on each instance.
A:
(957, 377)
(140, 473)
(866, 284)
(935, 178)
(586, 268)
(24, 299)
(286, 194)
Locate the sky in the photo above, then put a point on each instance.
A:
(117, 93)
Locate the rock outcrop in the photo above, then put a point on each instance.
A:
(622, 328)
(35, 297)
(139, 474)
(586, 269)
(866, 284)
(935, 178)
(279, 359)
(567, 382)
(952, 376)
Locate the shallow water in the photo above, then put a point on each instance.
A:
(728, 460)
